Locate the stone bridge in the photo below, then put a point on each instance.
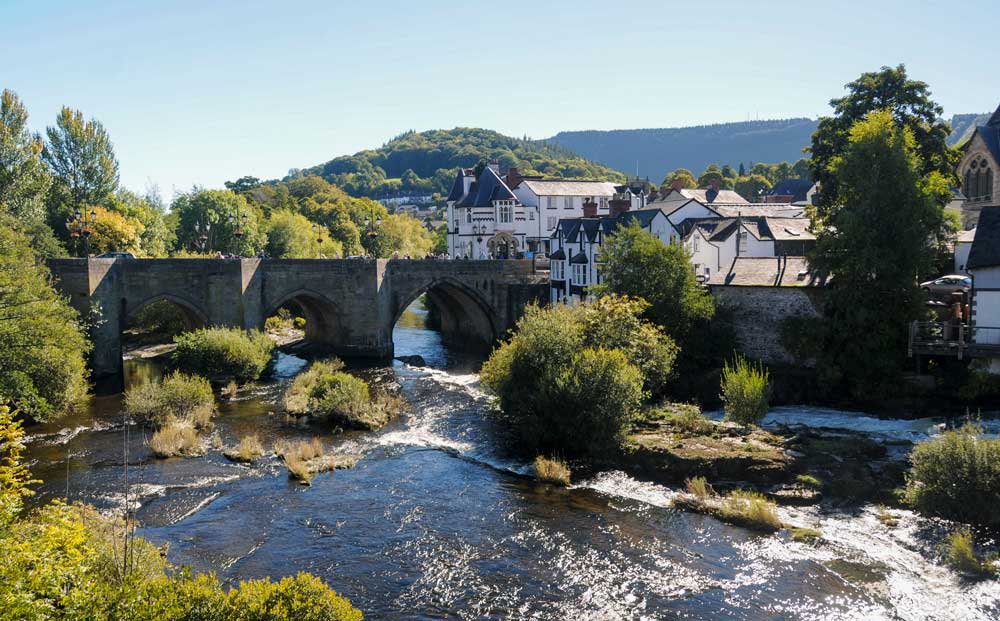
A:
(350, 305)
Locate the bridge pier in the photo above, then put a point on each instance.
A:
(350, 305)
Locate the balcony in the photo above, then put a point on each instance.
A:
(943, 338)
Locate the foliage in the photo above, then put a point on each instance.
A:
(957, 475)
(325, 392)
(876, 243)
(291, 235)
(911, 109)
(15, 479)
(713, 173)
(440, 239)
(42, 345)
(752, 187)
(746, 391)
(401, 235)
(802, 337)
(426, 162)
(551, 470)
(226, 213)
(809, 481)
(176, 439)
(639, 264)
(570, 380)
(146, 215)
(740, 507)
(112, 231)
(223, 353)
(248, 449)
(682, 417)
(82, 161)
(699, 487)
(178, 396)
(23, 178)
(161, 318)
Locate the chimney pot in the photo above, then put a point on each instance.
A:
(589, 207)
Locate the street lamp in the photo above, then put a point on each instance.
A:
(202, 230)
(373, 223)
(80, 226)
(239, 221)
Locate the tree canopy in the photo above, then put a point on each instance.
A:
(23, 178)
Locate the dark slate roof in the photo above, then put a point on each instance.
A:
(991, 136)
(489, 187)
(579, 257)
(767, 272)
(458, 187)
(590, 227)
(558, 255)
(985, 251)
(796, 188)
(995, 119)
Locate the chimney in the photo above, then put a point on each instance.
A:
(677, 184)
(589, 207)
(619, 205)
(714, 184)
(513, 177)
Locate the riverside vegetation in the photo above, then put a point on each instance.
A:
(224, 353)
(180, 406)
(67, 562)
(326, 393)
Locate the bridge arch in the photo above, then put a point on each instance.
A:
(322, 315)
(194, 317)
(467, 318)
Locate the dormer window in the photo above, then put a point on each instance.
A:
(744, 241)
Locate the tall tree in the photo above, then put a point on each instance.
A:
(683, 176)
(752, 187)
(226, 214)
(876, 241)
(80, 155)
(23, 178)
(910, 105)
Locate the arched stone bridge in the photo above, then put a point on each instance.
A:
(350, 305)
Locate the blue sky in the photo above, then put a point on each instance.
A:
(201, 92)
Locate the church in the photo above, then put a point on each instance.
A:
(978, 171)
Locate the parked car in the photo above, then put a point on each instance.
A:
(116, 255)
(946, 285)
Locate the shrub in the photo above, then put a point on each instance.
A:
(570, 380)
(248, 449)
(299, 323)
(178, 396)
(699, 487)
(551, 470)
(224, 353)
(298, 455)
(960, 555)
(684, 417)
(809, 481)
(957, 475)
(746, 390)
(176, 439)
(750, 509)
(325, 392)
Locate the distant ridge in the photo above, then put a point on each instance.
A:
(659, 151)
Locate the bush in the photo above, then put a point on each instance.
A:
(683, 417)
(299, 323)
(551, 470)
(327, 393)
(224, 353)
(570, 380)
(176, 439)
(746, 390)
(960, 555)
(248, 449)
(739, 507)
(957, 475)
(177, 397)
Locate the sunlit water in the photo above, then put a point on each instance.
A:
(438, 522)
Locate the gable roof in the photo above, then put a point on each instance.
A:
(985, 251)
(458, 187)
(568, 187)
(767, 272)
(489, 187)
(709, 195)
(990, 133)
(789, 229)
(796, 188)
(773, 210)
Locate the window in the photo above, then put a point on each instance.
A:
(978, 182)
(603, 203)
(505, 212)
(531, 214)
(550, 202)
(552, 222)
(579, 274)
(744, 241)
(567, 202)
(468, 216)
(557, 270)
(694, 240)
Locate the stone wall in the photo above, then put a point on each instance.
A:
(758, 313)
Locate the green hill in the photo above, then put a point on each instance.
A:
(426, 162)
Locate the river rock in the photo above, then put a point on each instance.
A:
(413, 361)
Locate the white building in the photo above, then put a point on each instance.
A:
(963, 244)
(984, 265)
(510, 215)
(714, 243)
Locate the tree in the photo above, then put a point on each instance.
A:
(743, 171)
(728, 172)
(112, 231)
(911, 107)
(876, 242)
(243, 184)
(81, 158)
(440, 239)
(227, 213)
(146, 214)
(23, 178)
(402, 235)
(42, 346)
(683, 176)
(752, 187)
(293, 236)
(638, 264)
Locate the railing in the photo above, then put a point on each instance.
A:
(953, 339)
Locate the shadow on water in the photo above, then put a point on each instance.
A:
(434, 524)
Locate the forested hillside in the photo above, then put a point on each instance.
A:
(425, 162)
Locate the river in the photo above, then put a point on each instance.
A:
(437, 522)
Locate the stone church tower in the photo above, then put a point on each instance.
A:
(979, 170)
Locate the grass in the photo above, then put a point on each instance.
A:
(683, 417)
(551, 470)
(809, 481)
(746, 391)
(248, 449)
(739, 507)
(886, 518)
(176, 439)
(805, 535)
(298, 458)
(960, 555)
(230, 390)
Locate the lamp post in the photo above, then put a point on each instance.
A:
(318, 232)
(202, 230)
(373, 223)
(479, 230)
(239, 221)
(82, 226)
